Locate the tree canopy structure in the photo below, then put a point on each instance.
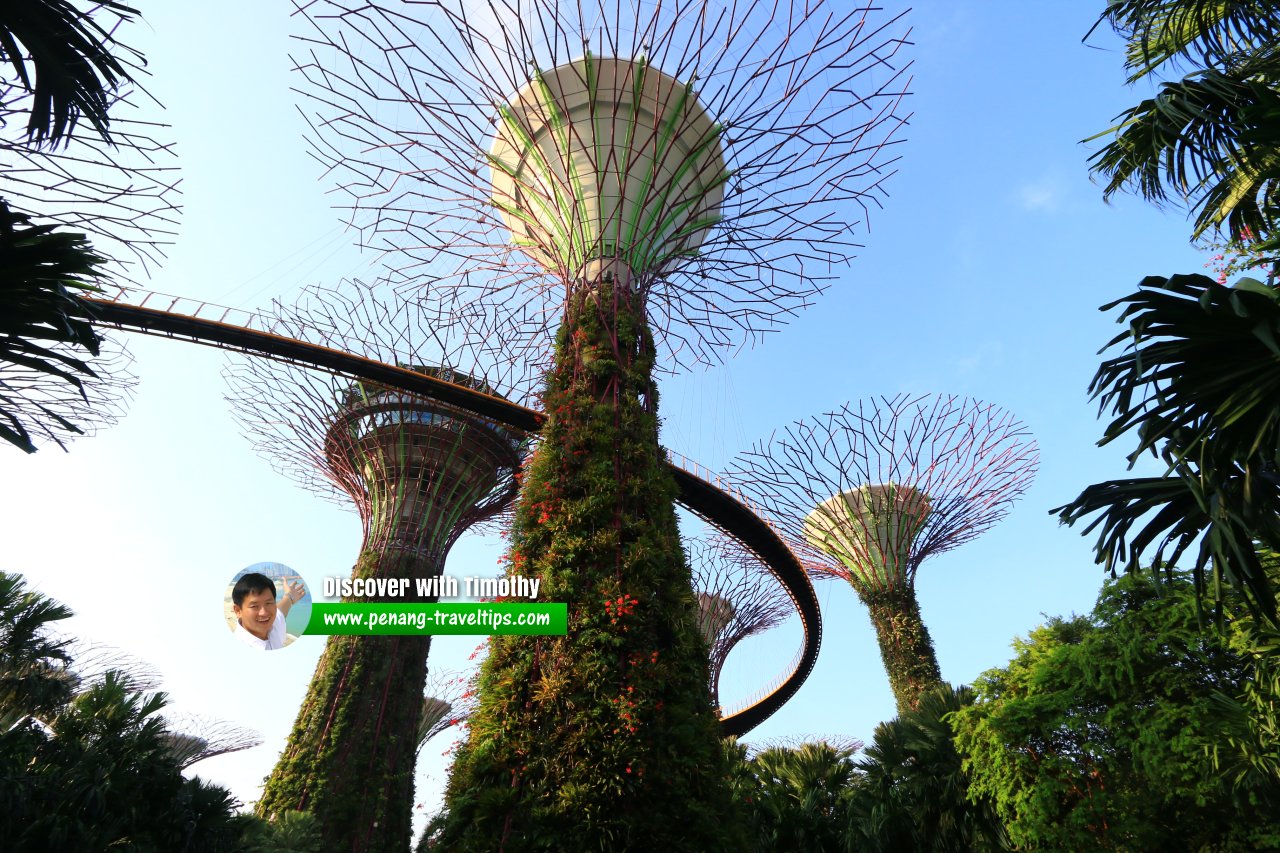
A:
(867, 492)
(737, 598)
(652, 183)
(448, 700)
(416, 110)
(420, 472)
(83, 204)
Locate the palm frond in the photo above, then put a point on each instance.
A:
(44, 326)
(1197, 385)
(65, 59)
(1202, 31)
(1210, 140)
(1203, 361)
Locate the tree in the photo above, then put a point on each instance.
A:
(89, 766)
(867, 492)
(62, 65)
(1099, 733)
(912, 791)
(32, 664)
(1197, 383)
(605, 736)
(43, 324)
(799, 798)
(1249, 753)
(794, 797)
(1212, 139)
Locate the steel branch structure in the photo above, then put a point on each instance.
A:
(700, 491)
(867, 492)
(655, 183)
(192, 738)
(121, 192)
(845, 744)
(737, 598)
(420, 472)
(449, 699)
(723, 153)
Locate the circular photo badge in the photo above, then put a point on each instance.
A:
(267, 606)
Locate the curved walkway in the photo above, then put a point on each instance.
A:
(699, 494)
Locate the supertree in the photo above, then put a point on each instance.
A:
(448, 701)
(737, 598)
(867, 492)
(654, 182)
(845, 744)
(192, 738)
(419, 472)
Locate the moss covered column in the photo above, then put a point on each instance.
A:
(905, 645)
(350, 757)
(604, 739)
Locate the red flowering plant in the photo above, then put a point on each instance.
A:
(608, 731)
(1244, 253)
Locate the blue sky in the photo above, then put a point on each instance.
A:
(981, 276)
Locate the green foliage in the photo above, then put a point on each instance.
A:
(1199, 380)
(350, 757)
(606, 738)
(795, 799)
(913, 793)
(1211, 139)
(1198, 384)
(905, 645)
(288, 832)
(63, 58)
(93, 771)
(1099, 734)
(42, 320)
(908, 792)
(1249, 754)
(34, 678)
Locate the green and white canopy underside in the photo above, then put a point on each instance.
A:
(606, 158)
(870, 530)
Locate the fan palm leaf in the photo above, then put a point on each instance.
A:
(1212, 140)
(1197, 385)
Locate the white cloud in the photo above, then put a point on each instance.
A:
(1043, 195)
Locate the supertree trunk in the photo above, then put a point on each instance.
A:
(349, 759)
(905, 645)
(420, 472)
(605, 738)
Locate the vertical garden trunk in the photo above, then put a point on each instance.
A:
(604, 739)
(905, 646)
(350, 758)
